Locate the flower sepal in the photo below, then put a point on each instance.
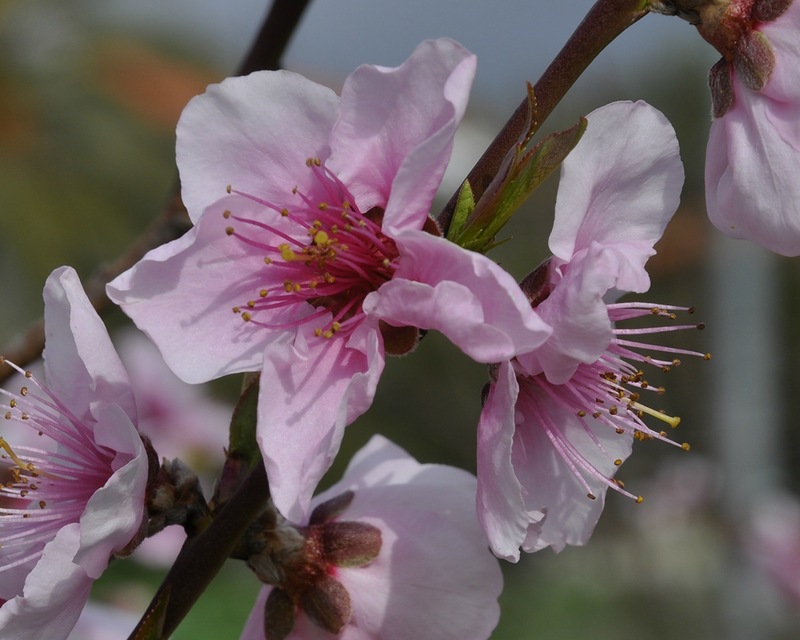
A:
(301, 564)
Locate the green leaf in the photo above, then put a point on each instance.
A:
(464, 207)
(524, 170)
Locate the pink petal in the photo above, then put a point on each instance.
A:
(55, 593)
(395, 130)
(311, 388)
(752, 167)
(182, 295)
(115, 511)
(464, 295)
(254, 133)
(501, 508)
(783, 85)
(550, 485)
(81, 363)
(579, 317)
(619, 187)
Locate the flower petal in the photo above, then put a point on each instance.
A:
(395, 130)
(81, 363)
(254, 132)
(579, 317)
(55, 593)
(501, 508)
(752, 164)
(182, 295)
(114, 513)
(311, 388)
(782, 33)
(551, 485)
(464, 295)
(619, 187)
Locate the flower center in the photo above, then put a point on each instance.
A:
(43, 488)
(606, 395)
(321, 254)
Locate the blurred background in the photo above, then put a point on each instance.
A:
(90, 92)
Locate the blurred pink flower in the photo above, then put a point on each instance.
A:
(560, 419)
(77, 497)
(433, 576)
(182, 421)
(773, 540)
(317, 258)
(753, 155)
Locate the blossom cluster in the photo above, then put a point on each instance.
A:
(313, 255)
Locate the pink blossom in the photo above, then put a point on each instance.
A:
(560, 419)
(316, 263)
(76, 496)
(773, 541)
(753, 155)
(433, 576)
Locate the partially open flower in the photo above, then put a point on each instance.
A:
(392, 551)
(560, 419)
(73, 495)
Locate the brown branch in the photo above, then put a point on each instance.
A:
(604, 22)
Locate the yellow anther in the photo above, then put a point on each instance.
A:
(639, 500)
(229, 231)
(42, 504)
(321, 239)
(322, 206)
(285, 212)
(707, 356)
(288, 287)
(23, 391)
(581, 413)
(28, 374)
(686, 446)
(263, 293)
(226, 214)
(336, 326)
(246, 317)
(267, 260)
(286, 252)
(251, 303)
(13, 403)
(318, 332)
(228, 188)
(617, 462)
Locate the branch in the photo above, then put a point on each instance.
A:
(604, 22)
(202, 557)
